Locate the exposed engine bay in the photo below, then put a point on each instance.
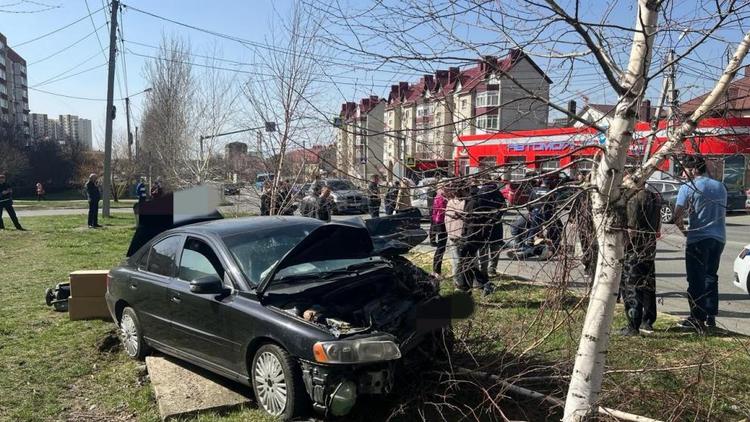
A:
(384, 300)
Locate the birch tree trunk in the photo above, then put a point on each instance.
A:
(586, 379)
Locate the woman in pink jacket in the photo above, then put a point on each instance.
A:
(438, 231)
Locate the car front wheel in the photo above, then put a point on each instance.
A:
(667, 214)
(131, 335)
(277, 383)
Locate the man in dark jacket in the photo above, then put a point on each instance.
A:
(638, 285)
(6, 204)
(325, 204)
(474, 237)
(493, 204)
(390, 198)
(93, 194)
(373, 191)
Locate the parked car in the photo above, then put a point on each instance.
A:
(423, 195)
(346, 197)
(742, 270)
(668, 191)
(747, 199)
(232, 189)
(306, 313)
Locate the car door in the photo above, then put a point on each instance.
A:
(149, 286)
(200, 320)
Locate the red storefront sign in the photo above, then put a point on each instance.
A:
(715, 136)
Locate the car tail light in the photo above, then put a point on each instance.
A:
(109, 281)
(745, 252)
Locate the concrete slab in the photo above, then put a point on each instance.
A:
(182, 389)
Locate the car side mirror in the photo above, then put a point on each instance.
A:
(210, 284)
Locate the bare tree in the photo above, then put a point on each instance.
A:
(571, 39)
(287, 96)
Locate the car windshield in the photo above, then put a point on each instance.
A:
(257, 253)
(311, 270)
(340, 185)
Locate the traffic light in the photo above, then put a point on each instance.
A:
(113, 113)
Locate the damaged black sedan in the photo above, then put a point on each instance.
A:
(311, 315)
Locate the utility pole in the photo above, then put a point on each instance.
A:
(667, 88)
(137, 152)
(110, 108)
(130, 135)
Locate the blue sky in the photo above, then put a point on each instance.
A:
(247, 19)
(250, 20)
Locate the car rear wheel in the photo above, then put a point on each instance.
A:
(131, 335)
(667, 214)
(277, 383)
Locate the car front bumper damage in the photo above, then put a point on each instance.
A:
(334, 389)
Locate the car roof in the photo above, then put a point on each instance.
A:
(231, 226)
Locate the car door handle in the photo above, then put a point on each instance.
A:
(176, 299)
(133, 286)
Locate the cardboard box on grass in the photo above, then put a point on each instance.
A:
(87, 289)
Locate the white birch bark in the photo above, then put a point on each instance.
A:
(586, 379)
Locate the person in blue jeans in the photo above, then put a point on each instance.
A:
(705, 202)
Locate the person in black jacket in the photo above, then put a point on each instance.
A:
(638, 284)
(493, 204)
(6, 204)
(93, 194)
(474, 236)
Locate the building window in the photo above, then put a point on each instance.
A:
(488, 99)
(3, 103)
(463, 103)
(486, 163)
(515, 168)
(3, 89)
(488, 122)
(425, 110)
(550, 165)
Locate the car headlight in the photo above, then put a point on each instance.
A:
(745, 252)
(355, 351)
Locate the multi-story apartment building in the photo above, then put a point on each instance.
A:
(14, 92)
(65, 129)
(359, 142)
(85, 135)
(423, 120)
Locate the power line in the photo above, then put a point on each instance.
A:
(55, 78)
(71, 96)
(64, 48)
(55, 31)
(93, 25)
(73, 75)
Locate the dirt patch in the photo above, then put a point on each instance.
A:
(110, 343)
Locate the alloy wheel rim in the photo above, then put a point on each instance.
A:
(666, 214)
(270, 384)
(129, 335)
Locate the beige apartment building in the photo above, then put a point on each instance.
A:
(423, 120)
(359, 140)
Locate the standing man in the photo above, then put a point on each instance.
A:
(157, 190)
(140, 190)
(705, 201)
(638, 285)
(493, 203)
(390, 198)
(6, 203)
(39, 191)
(373, 190)
(325, 204)
(92, 192)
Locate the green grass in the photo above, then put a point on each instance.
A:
(29, 204)
(52, 368)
